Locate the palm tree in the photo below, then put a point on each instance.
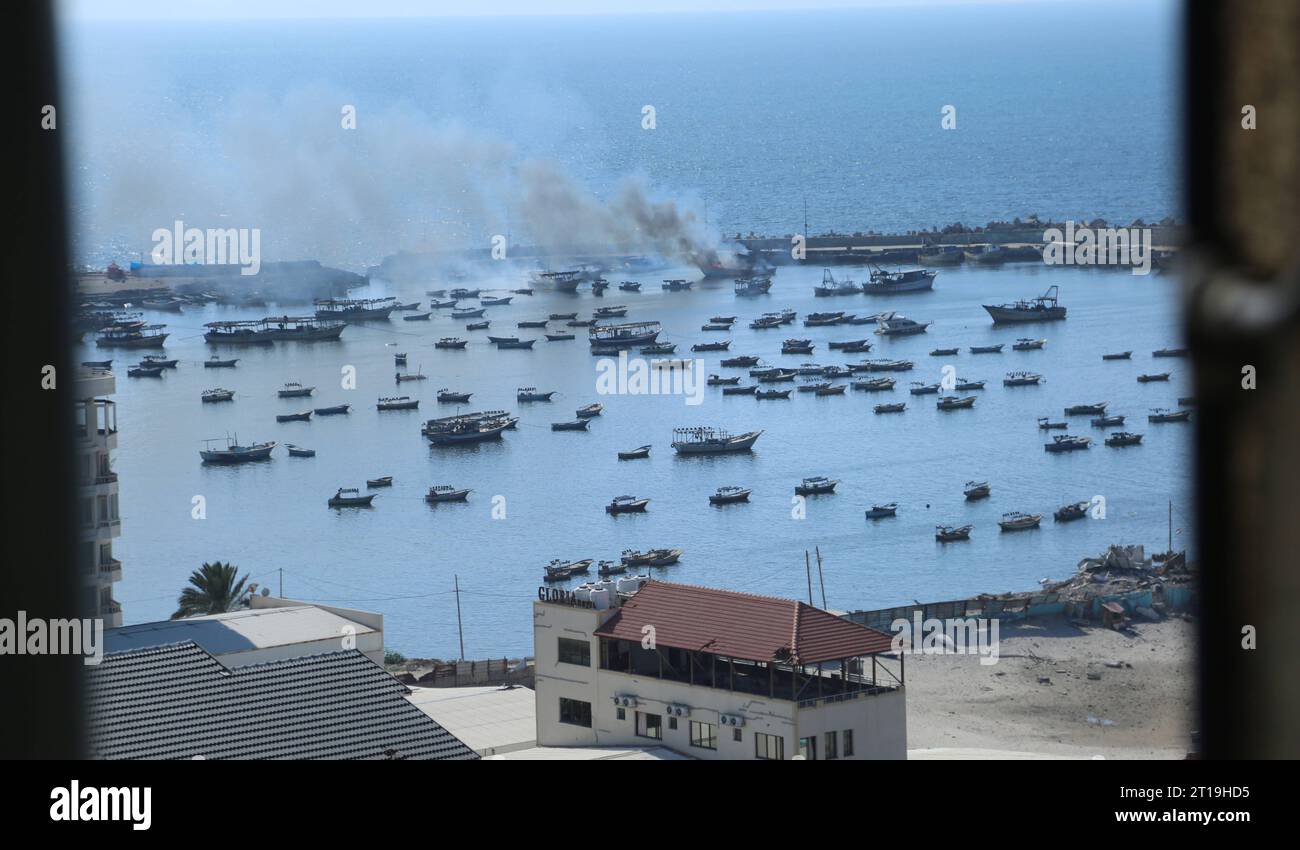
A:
(214, 590)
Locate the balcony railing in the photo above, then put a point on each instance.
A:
(109, 478)
(112, 565)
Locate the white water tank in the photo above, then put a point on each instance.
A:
(630, 585)
(600, 599)
(583, 592)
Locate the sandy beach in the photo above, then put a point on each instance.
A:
(1143, 708)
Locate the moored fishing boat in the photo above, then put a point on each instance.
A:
(446, 396)
(951, 534)
(703, 440)
(965, 385)
(293, 389)
(821, 320)
(334, 410)
(919, 388)
(1123, 355)
(1073, 511)
(235, 453)
(829, 390)
(626, 505)
(532, 323)
(97, 364)
(659, 348)
(884, 282)
(663, 557)
(468, 314)
(986, 349)
(952, 402)
(976, 490)
(890, 408)
(630, 286)
(609, 568)
(847, 345)
(160, 362)
(1022, 379)
(532, 394)
(896, 324)
(299, 451)
(467, 428)
(558, 570)
(350, 497)
(815, 485)
(882, 511)
(771, 394)
(719, 381)
(144, 372)
(397, 403)
(218, 394)
(797, 346)
(417, 317)
(451, 342)
(887, 365)
(730, 495)
(382, 481)
(677, 285)
(711, 346)
(1169, 352)
(559, 337)
(1160, 414)
(355, 309)
(1067, 443)
(590, 410)
(746, 286)
(304, 416)
(874, 385)
(1017, 521)
(1147, 379)
(1046, 424)
(1087, 409)
(1045, 307)
(574, 425)
(626, 335)
(515, 343)
(495, 300)
(639, 453)
(831, 287)
(612, 312)
(1028, 344)
(1107, 421)
(217, 363)
(1119, 439)
(944, 352)
(560, 317)
(131, 336)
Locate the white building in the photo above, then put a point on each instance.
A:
(98, 521)
(712, 674)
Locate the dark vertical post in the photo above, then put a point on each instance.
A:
(459, 630)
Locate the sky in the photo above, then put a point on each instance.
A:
(198, 10)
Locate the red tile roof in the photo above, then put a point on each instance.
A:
(740, 625)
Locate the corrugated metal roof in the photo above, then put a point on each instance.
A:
(740, 625)
(178, 702)
(238, 631)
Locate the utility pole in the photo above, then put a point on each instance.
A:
(459, 630)
(820, 578)
(281, 582)
(807, 568)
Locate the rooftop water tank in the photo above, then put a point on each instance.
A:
(600, 599)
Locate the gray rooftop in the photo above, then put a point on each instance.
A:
(178, 702)
(238, 631)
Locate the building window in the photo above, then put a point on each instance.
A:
(832, 745)
(735, 735)
(704, 735)
(808, 748)
(672, 723)
(621, 713)
(575, 712)
(768, 746)
(650, 726)
(574, 652)
(848, 743)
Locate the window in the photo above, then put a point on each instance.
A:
(575, 712)
(832, 745)
(808, 748)
(704, 735)
(768, 746)
(848, 742)
(574, 652)
(650, 726)
(621, 714)
(672, 723)
(735, 735)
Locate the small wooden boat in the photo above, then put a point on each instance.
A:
(874, 385)
(1022, 379)
(97, 364)
(1123, 355)
(218, 394)
(293, 389)
(748, 390)
(490, 301)
(532, 394)
(217, 363)
(771, 394)
(1097, 409)
(442, 305)
(589, 411)
(986, 349)
(711, 346)
(477, 326)
(1120, 439)
(715, 326)
(824, 390)
(730, 495)
(304, 416)
(890, 408)
(299, 451)
(468, 314)
(384, 481)
(515, 343)
(775, 376)
(797, 346)
(1067, 513)
(816, 485)
(161, 362)
(575, 425)
(531, 323)
(812, 387)
(580, 323)
(561, 317)
(952, 402)
(609, 568)
(882, 511)
(1046, 424)
(859, 347)
(626, 505)
(334, 410)
(845, 344)
(1161, 414)
(976, 490)
(144, 372)
(1169, 352)
(630, 286)
(559, 570)
(659, 348)
(719, 381)
(609, 312)
(965, 385)
(417, 376)
(446, 493)
(919, 388)
(406, 308)
(1107, 421)
(417, 317)
(350, 497)
(1017, 521)
(944, 352)
(1147, 379)
(1028, 344)
(950, 534)
(1066, 443)
(664, 557)
(560, 337)
(636, 454)
(446, 396)
(398, 403)
(677, 285)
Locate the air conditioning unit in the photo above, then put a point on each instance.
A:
(678, 710)
(625, 700)
(731, 719)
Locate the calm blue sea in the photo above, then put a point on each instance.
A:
(1064, 110)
